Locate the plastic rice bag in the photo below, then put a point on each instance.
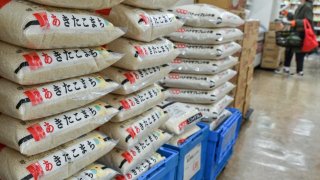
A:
(59, 163)
(136, 103)
(182, 117)
(34, 137)
(215, 123)
(180, 139)
(197, 82)
(123, 161)
(212, 111)
(132, 81)
(194, 51)
(201, 67)
(38, 27)
(80, 4)
(140, 55)
(151, 4)
(28, 67)
(144, 25)
(208, 16)
(27, 103)
(197, 96)
(205, 36)
(130, 132)
(95, 171)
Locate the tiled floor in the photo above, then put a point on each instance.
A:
(282, 139)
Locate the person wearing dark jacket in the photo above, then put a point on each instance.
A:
(304, 11)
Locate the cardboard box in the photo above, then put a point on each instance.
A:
(226, 4)
(271, 59)
(275, 26)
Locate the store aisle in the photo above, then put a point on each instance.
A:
(282, 139)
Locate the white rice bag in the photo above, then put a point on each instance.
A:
(80, 4)
(28, 67)
(198, 82)
(197, 96)
(95, 171)
(215, 123)
(207, 16)
(194, 51)
(212, 111)
(180, 139)
(151, 4)
(196, 66)
(59, 163)
(146, 165)
(27, 103)
(140, 55)
(130, 132)
(123, 161)
(38, 27)
(144, 25)
(132, 81)
(205, 36)
(34, 137)
(182, 117)
(136, 103)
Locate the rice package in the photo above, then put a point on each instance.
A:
(182, 117)
(123, 161)
(80, 4)
(180, 139)
(59, 163)
(37, 27)
(95, 171)
(144, 25)
(213, 111)
(147, 164)
(130, 132)
(197, 66)
(197, 51)
(132, 81)
(33, 102)
(197, 82)
(215, 123)
(28, 67)
(153, 4)
(136, 103)
(207, 16)
(141, 55)
(197, 96)
(205, 36)
(34, 137)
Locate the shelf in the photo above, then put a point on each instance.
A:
(317, 28)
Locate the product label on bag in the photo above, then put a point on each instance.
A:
(152, 50)
(161, 19)
(192, 162)
(134, 76)
(68, 120)
(60, 21)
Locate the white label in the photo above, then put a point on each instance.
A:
(140, 98)
(74, 21)
(158, 20)
(192, 162)
(153, 50)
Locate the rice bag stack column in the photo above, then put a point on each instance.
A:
(201, 73)
(50, 63)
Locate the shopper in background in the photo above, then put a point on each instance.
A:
(304, 11)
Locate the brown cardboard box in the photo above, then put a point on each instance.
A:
(275, 26)
(226, 4)
(272, 58)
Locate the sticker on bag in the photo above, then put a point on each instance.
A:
(181, 139)
(215, 123)
(192, 162)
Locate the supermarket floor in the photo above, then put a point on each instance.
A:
(282, 139)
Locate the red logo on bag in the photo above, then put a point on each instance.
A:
(131, 77)
(105, 12)
(183, 124)
(125, 104)
(33, 60)
(35, 170)
(34, 96)
(120, 177)
(2, 146)
(174, 76)
(181, 141)
(3, 3)
(177, 61)
(181, 46)
(37, 132)
(144, 19)
(127, 156)
(140, 51)
(175, 91)
(182, 30)
(42, 19)
(131, 132)
(182, 11)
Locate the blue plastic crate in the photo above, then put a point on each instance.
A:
(200, 138)
(218, 168)
(221, 141)
(165, 169)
